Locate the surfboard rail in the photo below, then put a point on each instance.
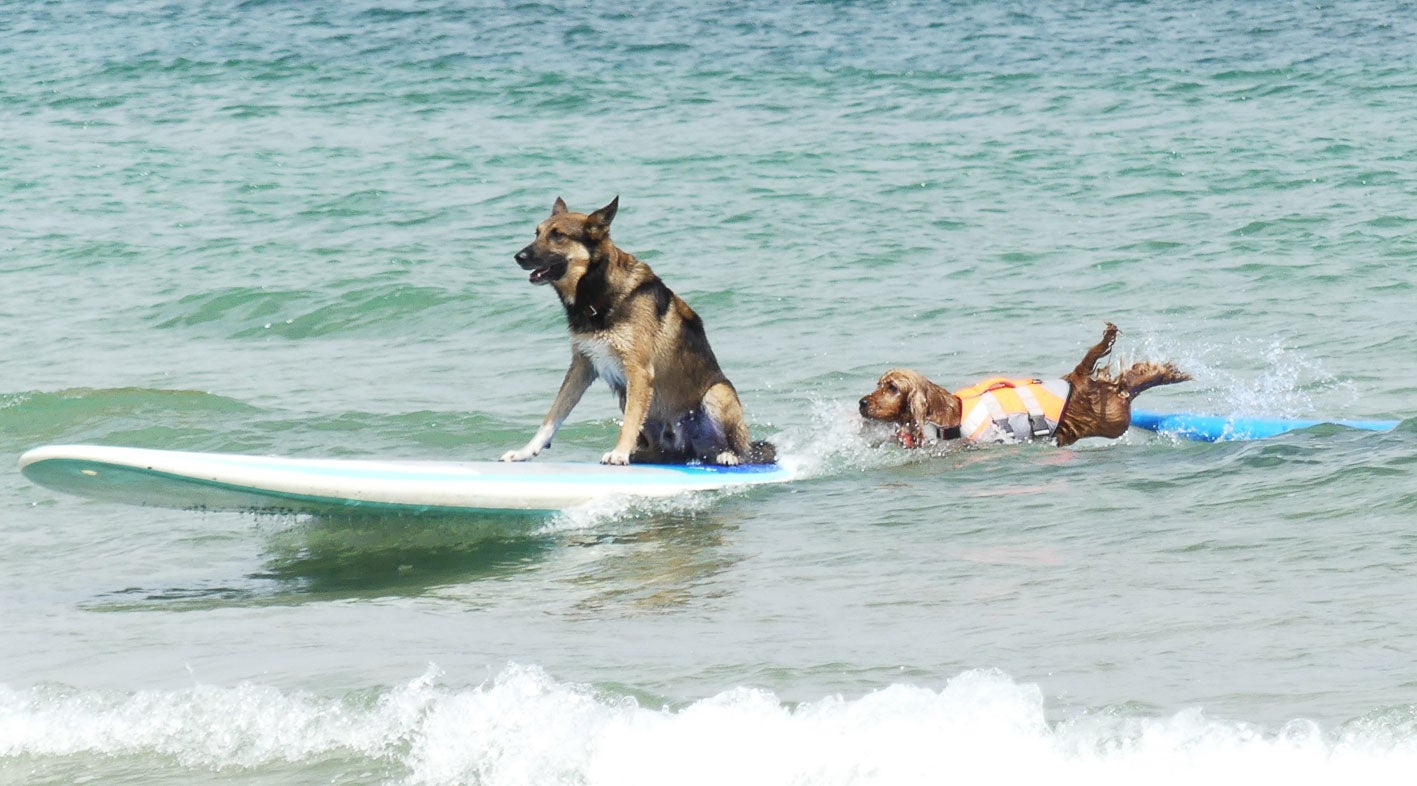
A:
(1225, 428)
(230, 481)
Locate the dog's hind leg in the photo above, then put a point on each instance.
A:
(722, 433)
(1146, 375)
(1099, 351)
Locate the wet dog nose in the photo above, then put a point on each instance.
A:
(522, 255)
(861, 405)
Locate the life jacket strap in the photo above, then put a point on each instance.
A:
(1037, 420)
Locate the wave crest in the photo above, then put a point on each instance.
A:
(523, 726)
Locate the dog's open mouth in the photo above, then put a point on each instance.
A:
(545, 275)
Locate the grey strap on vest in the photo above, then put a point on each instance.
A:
(1037, 420)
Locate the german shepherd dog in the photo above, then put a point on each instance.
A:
(629, 329)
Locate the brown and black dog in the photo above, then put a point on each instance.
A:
(1088, 402)
(629, 329)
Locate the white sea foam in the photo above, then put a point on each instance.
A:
(1259, 377)
(607, 510)
(834, 440)
(524, 727)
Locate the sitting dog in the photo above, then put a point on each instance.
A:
(629, 329)
(1088, 402)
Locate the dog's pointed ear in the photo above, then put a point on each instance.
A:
(597, 224)
(560, 207)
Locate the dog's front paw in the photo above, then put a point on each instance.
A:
(727, 459)
(519, 455)
(616, 457)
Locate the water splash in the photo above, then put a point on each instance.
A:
(1252, 377)
(836, 439)
(523, 726)
(610, 510)
(833, 441)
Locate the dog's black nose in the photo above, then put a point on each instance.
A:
(522, 256)
(862, 405)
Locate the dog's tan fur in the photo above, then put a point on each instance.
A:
(629, 329)
(1099, 404)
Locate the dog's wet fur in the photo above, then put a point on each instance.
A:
(629, 329)
(1098, 405)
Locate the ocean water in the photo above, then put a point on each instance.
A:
(287, 228)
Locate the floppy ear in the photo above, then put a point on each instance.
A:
(918, 400)
(597, 224)
(560, 207)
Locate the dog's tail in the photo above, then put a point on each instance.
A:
(1147, 375)
(761, 452)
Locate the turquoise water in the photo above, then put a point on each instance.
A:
(288, 228)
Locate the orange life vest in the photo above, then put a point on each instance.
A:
(1011, 410)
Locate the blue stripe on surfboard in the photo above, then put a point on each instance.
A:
(1216, 428)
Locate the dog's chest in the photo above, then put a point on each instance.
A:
(601, 352)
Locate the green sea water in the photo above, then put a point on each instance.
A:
(288, 228)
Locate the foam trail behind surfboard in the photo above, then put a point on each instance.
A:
(1222, 428)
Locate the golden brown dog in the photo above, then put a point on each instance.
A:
(1088, 402)
(629, 329)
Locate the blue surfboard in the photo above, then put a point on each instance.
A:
(1222, 428)
(228, 481)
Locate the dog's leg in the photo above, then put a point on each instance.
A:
(578, 378)
(725, 438)
(1146, 375)
(1095, 355)
(639, 390)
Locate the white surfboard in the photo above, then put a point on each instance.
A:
(226, 481)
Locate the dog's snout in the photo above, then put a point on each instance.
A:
(863, 404)
(523, 255)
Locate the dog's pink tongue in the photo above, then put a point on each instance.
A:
(538, 276)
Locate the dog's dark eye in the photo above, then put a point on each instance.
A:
(556, 234)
